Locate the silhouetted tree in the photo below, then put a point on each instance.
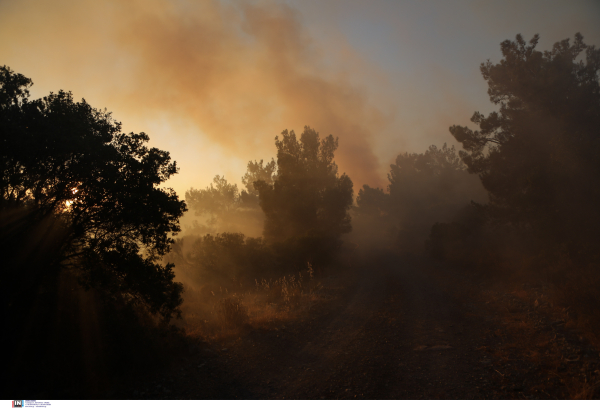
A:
(429, 180)
(227, 209)
(373, 202)
(424, 188)
(257, 171)
(307, 198)
(539, 155)
(77, 192)
(220, 199)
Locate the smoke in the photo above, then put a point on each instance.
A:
(235, 73)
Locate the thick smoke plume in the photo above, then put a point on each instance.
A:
(239, 73)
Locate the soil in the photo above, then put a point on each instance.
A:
(399, 328)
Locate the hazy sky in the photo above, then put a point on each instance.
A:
(213, 81)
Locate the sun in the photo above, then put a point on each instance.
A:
(69, 203)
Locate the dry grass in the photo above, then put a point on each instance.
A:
(226, 312)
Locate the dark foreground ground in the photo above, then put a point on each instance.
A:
(398, 328)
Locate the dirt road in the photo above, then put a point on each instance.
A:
(390, 331)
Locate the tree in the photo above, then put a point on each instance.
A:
(307, 198)
(257, 171)
(538, 156)
(78, 193)
(424, 188)
(228, 209)
(434, 184)
(373, 202)
(219, 200)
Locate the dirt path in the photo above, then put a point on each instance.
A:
(392, 333)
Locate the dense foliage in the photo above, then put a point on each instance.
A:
(308, 197)
(77, 193)
(539, 154)
(423, 188)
